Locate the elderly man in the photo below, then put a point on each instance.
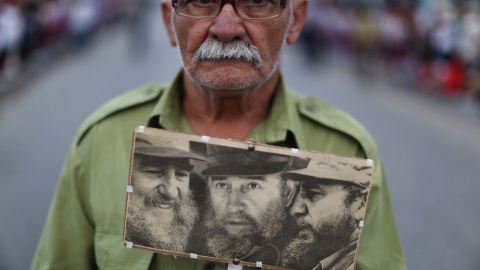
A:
(247, 204)
(161, 211)
(230, 87)
(327, 210)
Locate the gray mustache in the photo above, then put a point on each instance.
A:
(239, 218)
(217, 50)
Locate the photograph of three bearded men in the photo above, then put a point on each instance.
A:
(286, 211)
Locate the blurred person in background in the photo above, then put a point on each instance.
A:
(53, 23)
(36, 31)
(453, 77)
(338, 25)
(440, 45)
(230, 87)
(30, 40)
(138, 29)
(469, 37)
(469, 51)
(394, 37)
(425, 80)
(472, 100)
(312, 37)
(11, 31)
(82, 16)
(365, 36)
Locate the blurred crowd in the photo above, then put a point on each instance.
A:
(39, 28)
(431, 46)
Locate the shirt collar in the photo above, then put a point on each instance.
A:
(282, 121)
(167, 113)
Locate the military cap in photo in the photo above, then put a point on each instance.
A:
(143, 146)
(224, 161)
(337, 172)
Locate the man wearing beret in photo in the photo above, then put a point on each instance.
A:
(247, 203)
(328, 210)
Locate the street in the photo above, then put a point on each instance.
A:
(431, 151)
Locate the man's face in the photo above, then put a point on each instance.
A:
(161, 212)
(267, 36)
(241, 202)
(244, 211)
(161, 185)
(324, 223)
(318, 204)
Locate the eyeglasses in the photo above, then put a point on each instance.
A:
(246, 9)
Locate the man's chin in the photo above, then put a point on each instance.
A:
(238, 229)
(160, 215)
(300, 254)
(224, 245)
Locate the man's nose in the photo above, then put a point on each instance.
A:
(167, 186)
(228, 25)
(235, 202)
(298, 208)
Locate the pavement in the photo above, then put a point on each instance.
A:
(431, 151)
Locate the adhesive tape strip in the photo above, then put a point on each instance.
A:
(294, 150)
(259, 264)
(193, 255)
(141, 129)
(361, 224)
(205, 138)
(369, 162)
(129, 244)
(232, 266)
(129, 189)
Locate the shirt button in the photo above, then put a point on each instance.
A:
(310, 108)
(149, 92)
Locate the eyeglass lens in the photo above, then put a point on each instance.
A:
(255, 9)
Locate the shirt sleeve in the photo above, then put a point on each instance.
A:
(380, 246)
(67, 238)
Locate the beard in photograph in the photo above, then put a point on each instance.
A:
(155, 233)
(222, 244)
(315, 243)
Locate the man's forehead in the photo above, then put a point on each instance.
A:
(162, 162)
(263, 177)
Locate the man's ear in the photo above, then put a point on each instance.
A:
(167, 14)
(290, 191)
(299, 15)
(358, 207)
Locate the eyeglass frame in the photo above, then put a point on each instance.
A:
(283, 4)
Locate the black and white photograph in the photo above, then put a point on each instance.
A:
(243, 202)
(393, 81)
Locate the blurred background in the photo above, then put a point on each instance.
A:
(408, 70)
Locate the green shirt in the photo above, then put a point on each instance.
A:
(84, 228)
